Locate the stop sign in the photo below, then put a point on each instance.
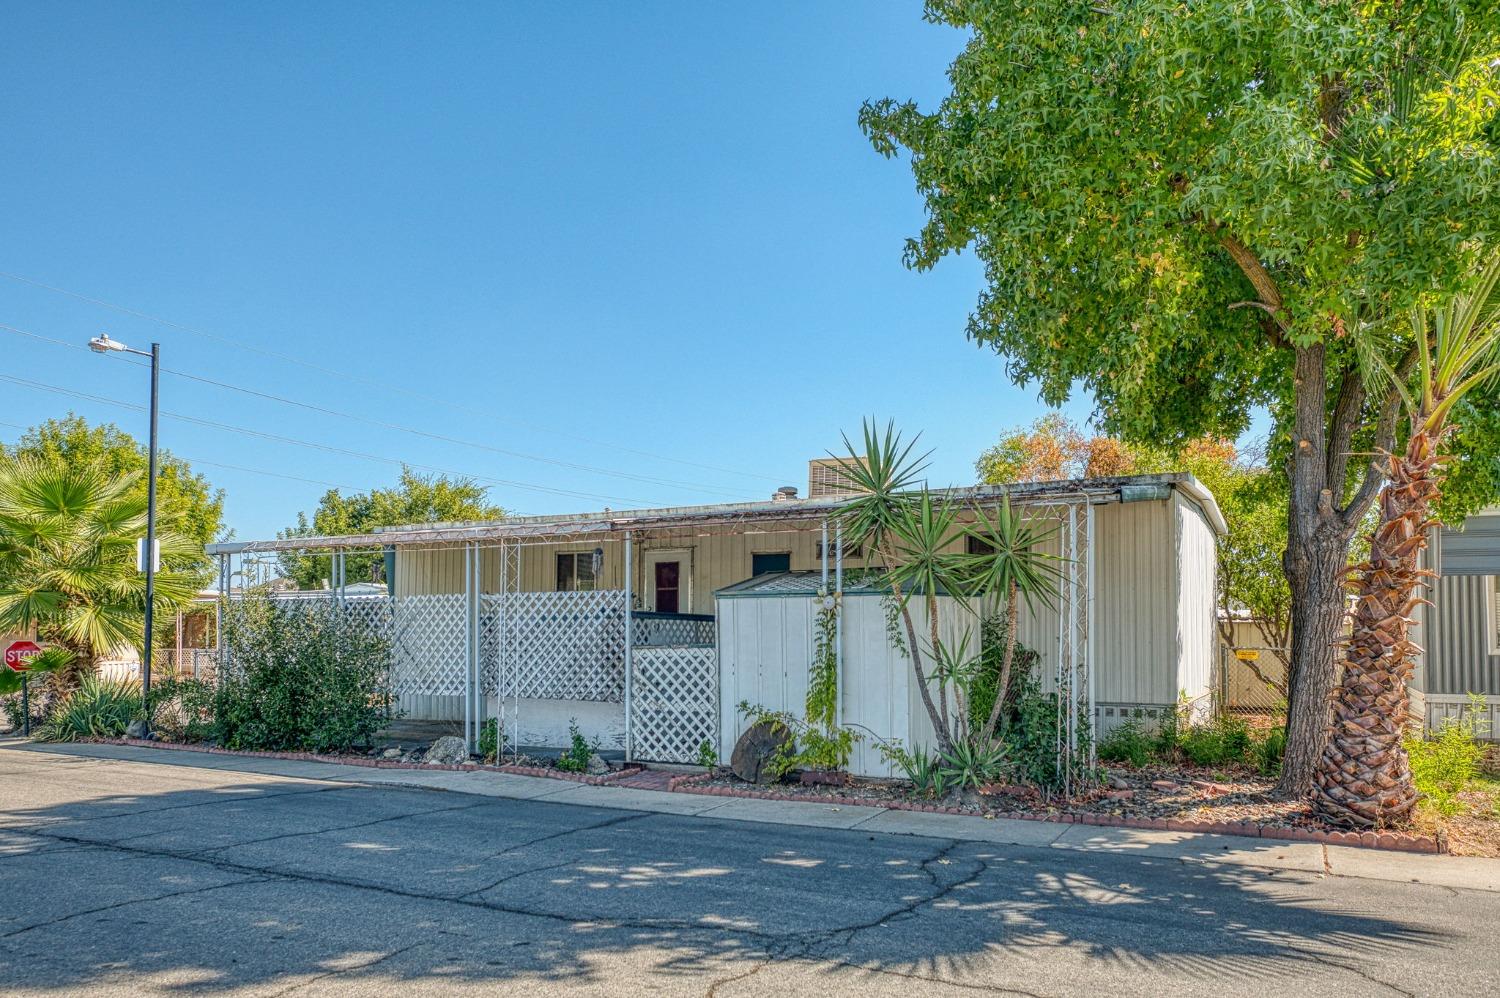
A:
(18, 655)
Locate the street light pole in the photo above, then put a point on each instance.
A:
(103, 344)
(150, 537)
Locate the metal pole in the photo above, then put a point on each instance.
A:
(219, 621)
(468, 646)
(26, 704)
(824, 552)
(838, 624)
(150, 535)
(502, 668)
(1088, 628)
(629, 654)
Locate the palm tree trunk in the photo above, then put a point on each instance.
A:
(1364, 777)
(932, 624)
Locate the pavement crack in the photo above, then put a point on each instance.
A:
(367, 965)
(509, 850)
(323, 831)
(1327, 961)
(133, 901)
(932, 979)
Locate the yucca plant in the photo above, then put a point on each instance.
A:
(1364, 776)
(67, 557)
(98, 708)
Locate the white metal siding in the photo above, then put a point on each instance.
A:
(1135, 604)
(1197, 554)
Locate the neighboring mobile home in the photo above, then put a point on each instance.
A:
(525, 618)
(1460, 632)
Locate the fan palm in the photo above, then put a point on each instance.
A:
(1364, 777)
(67, 557)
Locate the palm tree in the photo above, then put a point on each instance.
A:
(67, 557)
(1364, 778)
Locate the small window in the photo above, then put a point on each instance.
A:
(1492, 613)
(575, 572)
(780, 561)
(978, 545)
(851, 551)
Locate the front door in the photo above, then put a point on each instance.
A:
(668, 581)
(668, 586)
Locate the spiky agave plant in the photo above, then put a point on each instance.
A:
(1364, 778)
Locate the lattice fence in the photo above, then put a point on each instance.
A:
(671, 629)
(429, 644)
(564, 646)
(676, 702)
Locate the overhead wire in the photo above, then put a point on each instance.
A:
(370, 382)
(384, 424)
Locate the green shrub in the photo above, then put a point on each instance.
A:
(182, 709)
(98, 708)
(302, 678)
(1030, 734)
(1446, 765)
(44, 694)
(967, 766)
(810, 746)
(488, 739)
(925, 771)
(576, 758)
(1267, 749)
(986, 679)
(708, 756)
(1130, 742)
(1218, 742)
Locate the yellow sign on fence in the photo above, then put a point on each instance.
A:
(1247, 654)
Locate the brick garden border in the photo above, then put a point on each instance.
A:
(1395, 841)
(369, 763)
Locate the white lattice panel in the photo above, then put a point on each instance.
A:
(676, 702)
(562, 646)
(428, 644)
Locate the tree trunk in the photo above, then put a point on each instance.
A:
(945, 743)
(1315, 571)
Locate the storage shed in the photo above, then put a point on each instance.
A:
(767, 637)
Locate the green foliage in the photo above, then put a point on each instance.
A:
(809, 747)
(708, 756)
(414, 499)
(1446, 765)
(924, 770)
(1129, 742)
(969, 766)
(489, 742)
(186, 504)
(576, 758)
(1267, 750)
(822, 699)
(1100, 161)
(994, 631)
(1219, 742)
(50, 662)
(98, 708)
(68, 537)
(182, 710)
(303, 678)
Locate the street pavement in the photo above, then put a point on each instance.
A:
(163, 873)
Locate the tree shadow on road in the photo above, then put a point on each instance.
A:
(274, 884)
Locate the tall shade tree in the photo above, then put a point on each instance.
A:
(414, 499)
(1184, 209)
(187, 504)
(1364, 778)
(68, 537)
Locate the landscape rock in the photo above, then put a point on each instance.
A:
(448, 750)
(137, 729)
(1120, 794)
(394, 752)
(755, 748)
(597, 766)
(1165, 786)
(1118, 782)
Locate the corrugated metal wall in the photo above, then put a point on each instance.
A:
(1197, 643)
(1135, 604)
(1458, 659)
(1473, 549)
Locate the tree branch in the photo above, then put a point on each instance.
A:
(1341, 426)
(1385, 440)
(1265, 286)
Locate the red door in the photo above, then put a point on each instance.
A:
(668, 585)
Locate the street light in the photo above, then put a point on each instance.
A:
(103, 344)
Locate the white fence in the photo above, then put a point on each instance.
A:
(675, 704)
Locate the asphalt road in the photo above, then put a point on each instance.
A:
(130, 878)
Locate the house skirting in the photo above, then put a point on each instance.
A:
(1440, 707)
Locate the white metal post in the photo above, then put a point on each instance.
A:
(469, 647)
(219, 616)
(629, 653)
(838, 623)
(824, 552)
(1073, 627)
(1088, 627)
(502, 665)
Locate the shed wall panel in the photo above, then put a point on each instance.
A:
(1458, 659)
(1135, 604)
(1197, 643)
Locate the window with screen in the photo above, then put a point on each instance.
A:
(575, 572)
(978, 545)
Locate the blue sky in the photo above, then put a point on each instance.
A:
(608, 235)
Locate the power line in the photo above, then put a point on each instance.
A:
(327, 448)
(370, 382)
(383, 424)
